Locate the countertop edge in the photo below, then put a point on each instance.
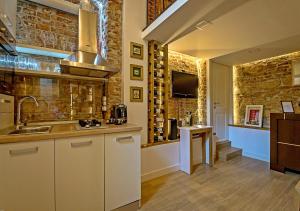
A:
(5, 139)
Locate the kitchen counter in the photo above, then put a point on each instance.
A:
(66, 131)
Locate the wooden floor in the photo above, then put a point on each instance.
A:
(239, 184)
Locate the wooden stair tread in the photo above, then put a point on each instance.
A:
(228, 153)
(223, 144)
(229, 150)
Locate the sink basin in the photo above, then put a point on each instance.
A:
(32, 130)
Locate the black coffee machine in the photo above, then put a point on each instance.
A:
(118, 114)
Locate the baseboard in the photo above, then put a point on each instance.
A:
(256, 156)
(160, 172)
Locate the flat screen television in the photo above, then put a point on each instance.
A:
(184, 85)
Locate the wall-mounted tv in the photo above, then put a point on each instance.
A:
(184, 85)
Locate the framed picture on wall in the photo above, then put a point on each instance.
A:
(287, 107)
(136, 94)
(136, 72)
(136, 51)
(254, 115)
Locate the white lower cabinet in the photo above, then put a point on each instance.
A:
(27, 176)
(87, 173)
(79, 173)
(122, 169)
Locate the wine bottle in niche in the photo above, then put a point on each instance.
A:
(158, 65)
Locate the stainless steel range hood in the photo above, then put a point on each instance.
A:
(86, 61)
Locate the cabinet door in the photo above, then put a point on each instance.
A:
(79, 174)
(122, 169)
(27, 176)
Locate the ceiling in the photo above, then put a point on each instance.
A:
(254, 30)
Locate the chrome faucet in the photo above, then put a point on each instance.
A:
(19, 123)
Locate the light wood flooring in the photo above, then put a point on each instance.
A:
(239, 184)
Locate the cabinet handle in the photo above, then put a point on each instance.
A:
(4, 101)
(81, 144)
(23, 151)
(127, 139)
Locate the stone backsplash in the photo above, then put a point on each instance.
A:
(59, 99)
(42, 26)
(179, 106)
(265, 82)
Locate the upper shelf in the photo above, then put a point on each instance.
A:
(185, 16)
(35, 50)
(60, 5)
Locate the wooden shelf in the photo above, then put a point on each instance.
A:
(159, 143)
(35, 50)
(249, 127)
(44, 74)
(158, 94)
(60, 5)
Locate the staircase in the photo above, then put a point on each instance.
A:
(225, 152)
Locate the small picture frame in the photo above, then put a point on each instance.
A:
(136, 51)
(136, 94)
(254, 115)
(287, 107)
(136, 72)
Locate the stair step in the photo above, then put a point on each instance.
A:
(229, 153)
(223, 144)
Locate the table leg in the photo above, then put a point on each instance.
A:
(211, 156)
(204, 148)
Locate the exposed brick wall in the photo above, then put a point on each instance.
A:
(156, 7)
(179, 106)
(48, 27)
(265, 82)
(42, 26)
(113, 47)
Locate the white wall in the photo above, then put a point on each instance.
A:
(134, 20)
(255, 143)
(156, 160)
(163, 159)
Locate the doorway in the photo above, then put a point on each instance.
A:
(220, 85)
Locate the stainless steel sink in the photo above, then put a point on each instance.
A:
(31, 130)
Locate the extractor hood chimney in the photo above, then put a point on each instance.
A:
(86, 61)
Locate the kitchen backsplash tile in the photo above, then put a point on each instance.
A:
(59, 99)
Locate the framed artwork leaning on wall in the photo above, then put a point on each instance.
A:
(254, 115)
(287, 107)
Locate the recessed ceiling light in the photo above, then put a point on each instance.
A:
(202, 24)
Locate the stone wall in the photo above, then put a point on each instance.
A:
(179, 106)
(156, 7)
(42, 26)
(265, 82)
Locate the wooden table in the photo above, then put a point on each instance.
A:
(186, 146)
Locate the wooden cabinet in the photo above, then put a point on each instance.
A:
(285, 142)
(122, 169)
(79, 173)
(27, 176)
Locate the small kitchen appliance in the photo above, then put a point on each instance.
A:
(118, 114)
(89, 124)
